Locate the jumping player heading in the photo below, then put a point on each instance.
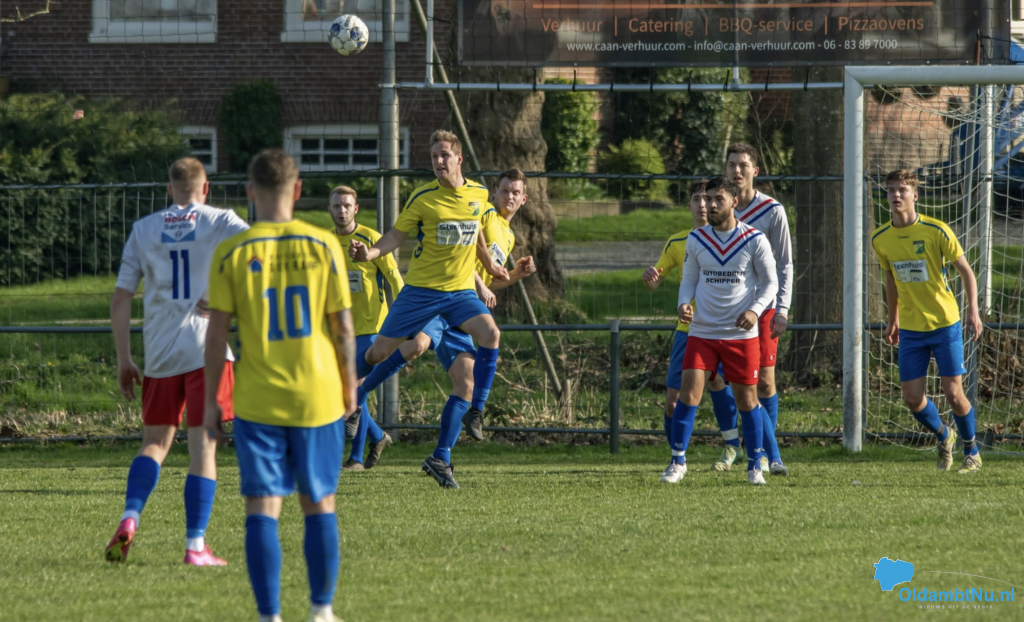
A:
(730, 271)
(924, 319)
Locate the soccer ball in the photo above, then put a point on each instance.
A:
(348, 35)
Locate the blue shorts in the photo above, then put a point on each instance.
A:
(674, 378)
(275, 460)
(416, 306)
(363, 343)
(447, 342)
(917, 348)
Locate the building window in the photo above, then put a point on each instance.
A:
(307, 21)
(154, 21)
(202, 143)
(340, 147)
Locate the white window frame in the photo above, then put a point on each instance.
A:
(1017, 19)
(293, 144)
(203, 131)
(297, 30)
(108, 30)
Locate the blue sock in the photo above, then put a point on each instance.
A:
(966, 425)
(322, 556)
(484, 366)
(929, 418)
(752, 435)
(359, 440)
(683, 418)
(451, 426)
(363, 367)
(771, 404)
(381, 373)
(142, 478)
(263, 557)
(668, 429)
(771, 444)
(199, 493)
(724, 405)
(373, 431)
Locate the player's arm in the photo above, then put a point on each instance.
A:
(389, 267)
(386, 244)
(483, 292)
(344, 339)
(654, 275)
(783, 256)
(688, 287)
(972, 314)
(767, 283)
(213, 368)
(120, 322)
(492, 267)
(892, 297)
(525, 266)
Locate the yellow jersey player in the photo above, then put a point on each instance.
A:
(672, 258)
(445, 216)
(369, 308)
(285, 282)
(924, 318)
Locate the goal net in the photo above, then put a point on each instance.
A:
(966, 144)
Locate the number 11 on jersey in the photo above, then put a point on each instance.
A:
(184, 272)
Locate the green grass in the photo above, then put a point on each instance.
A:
(642, 224)
(558, 533)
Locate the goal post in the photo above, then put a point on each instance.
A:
(980, 150)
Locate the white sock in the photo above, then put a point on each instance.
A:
(324, 610)
(274, 618)
(131, 514)
(195, 544)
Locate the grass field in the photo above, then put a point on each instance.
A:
(557, 533)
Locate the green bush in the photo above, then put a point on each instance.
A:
(569, 129)
(637, 157)
(47, 233)
(250, 121)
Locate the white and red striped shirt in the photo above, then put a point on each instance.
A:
(729, 273)
(769, 217)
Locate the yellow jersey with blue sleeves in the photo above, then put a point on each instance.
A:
(672, 257)
(917, 255)
(366, 282)
(446, 222)
(280, 280)
(500, 241)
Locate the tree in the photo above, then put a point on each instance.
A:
(506, 133)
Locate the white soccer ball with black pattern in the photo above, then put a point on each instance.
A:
(348, 35)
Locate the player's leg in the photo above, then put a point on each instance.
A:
(470, 315)
(266, 476)
(914, 357)
(201, 482)
(163, 402)
(410, 350)
(724, 405)
(414, 308)
(948, 349)
(673, 379)
(740, 359)
(697, 360)
(452, 344)
(460, 370)
(315, 457)
(767, 394)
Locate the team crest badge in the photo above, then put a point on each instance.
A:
(919, 247)
(476, 207)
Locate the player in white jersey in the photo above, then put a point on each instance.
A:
(171, 250)
(730, 271)
(769, 217)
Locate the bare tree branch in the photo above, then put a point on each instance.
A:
(21, 18)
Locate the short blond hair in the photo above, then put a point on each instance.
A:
(273, 170)
(906, 176)
(187, 174)
(343, 190)
(444, 136)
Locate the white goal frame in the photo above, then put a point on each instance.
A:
(854, 214)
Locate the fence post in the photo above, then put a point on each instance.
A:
(613, 405)
(389, 161)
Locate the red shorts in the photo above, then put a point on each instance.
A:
(164, 399)
(769, 345)
(739, 357)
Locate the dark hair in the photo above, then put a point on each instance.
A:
(513, 174)
(698, 186)
(906, 176)
(273, 169)
(742, 149)
(724, 183)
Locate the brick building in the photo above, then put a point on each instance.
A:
(188, 53)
